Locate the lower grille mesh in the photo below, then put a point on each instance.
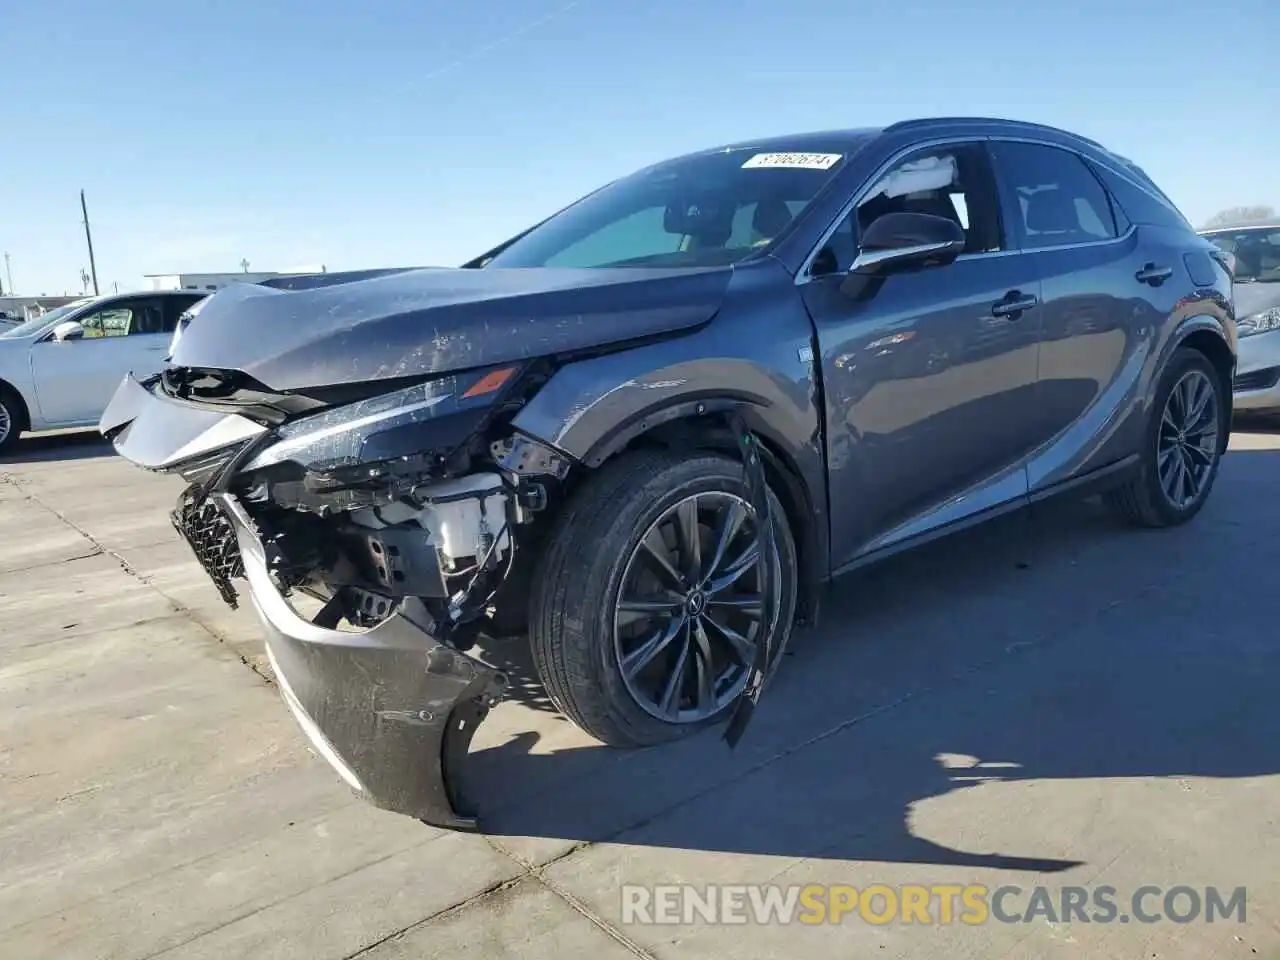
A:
(211, 538)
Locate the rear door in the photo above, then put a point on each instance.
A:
(929, 375)
(1099, 316)
(75, 379)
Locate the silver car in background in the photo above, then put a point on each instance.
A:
(1255, 254)
(60, 369)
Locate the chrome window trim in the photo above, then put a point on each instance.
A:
(803, 276)
(1084, 244)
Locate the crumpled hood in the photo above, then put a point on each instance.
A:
(435, 320)
(1255, 297)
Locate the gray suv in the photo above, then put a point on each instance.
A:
(651, 427)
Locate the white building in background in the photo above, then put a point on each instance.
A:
(214, 281)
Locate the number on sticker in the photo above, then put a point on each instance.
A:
(797, 161)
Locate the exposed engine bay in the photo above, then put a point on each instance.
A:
(367, 531)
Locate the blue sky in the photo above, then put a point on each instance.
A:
(391, 132)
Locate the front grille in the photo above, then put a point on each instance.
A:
(1257, 380)
(211, 538)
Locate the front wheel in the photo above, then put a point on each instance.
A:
(648, 609)
(1182, 446)
(10, 420)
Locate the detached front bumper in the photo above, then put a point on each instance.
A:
(391, 709)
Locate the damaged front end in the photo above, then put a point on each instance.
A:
(373, 526)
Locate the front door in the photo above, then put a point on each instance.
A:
(74, 379)
(929, 374)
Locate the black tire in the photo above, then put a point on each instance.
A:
(575, 590)
(12, 419)
(1142, 501)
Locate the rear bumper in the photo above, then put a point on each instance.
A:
(392, 710)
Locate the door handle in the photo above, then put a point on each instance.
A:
(1013, 305)
(1153, 274)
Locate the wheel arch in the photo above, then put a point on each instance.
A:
(1205, 336)
(701, 424)
(23, 411)
(681, 392)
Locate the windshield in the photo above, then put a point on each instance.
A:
(37, 324)
(1256, 250)
(704, 210)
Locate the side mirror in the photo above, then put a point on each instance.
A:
(68, 330)
(898, 240)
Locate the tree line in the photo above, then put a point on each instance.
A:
(1237, 216)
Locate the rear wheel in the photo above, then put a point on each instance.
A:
(648, 608)
(1182, 448)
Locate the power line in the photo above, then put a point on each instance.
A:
(89, 240)
(481, 50)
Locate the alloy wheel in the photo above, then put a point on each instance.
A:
(1187, 443)
(690, 611)
(6, 422)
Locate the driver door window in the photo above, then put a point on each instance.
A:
(112, 321)
(954, 182)
(129, 318)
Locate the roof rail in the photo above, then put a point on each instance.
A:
(926, 122)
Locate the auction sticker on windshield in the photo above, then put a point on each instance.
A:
(798, 161)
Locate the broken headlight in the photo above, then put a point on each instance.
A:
(376, 450)
(1263, 322)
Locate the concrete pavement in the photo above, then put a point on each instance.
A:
(1049, 700)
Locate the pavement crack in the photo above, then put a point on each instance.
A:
(101, 549)
(593, 918)
(489, 891)
(95, 552)
(262, 908)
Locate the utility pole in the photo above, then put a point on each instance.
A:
(89, 240)
(7, 272)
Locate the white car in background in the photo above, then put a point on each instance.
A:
(59, 370)
(1254, 251)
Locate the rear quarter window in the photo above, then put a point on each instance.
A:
(1139, 205)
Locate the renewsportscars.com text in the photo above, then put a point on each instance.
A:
(973, 904)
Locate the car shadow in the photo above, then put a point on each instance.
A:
(62, 445)
(511, 656)
(1050, 645)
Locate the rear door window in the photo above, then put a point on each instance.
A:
(1052, 196)
(174, 307)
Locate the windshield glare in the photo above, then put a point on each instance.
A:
(1257, 252)
(705, 210)
(37, 324)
